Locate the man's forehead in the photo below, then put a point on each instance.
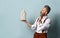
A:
(44, 8)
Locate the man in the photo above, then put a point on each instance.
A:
(41, 24)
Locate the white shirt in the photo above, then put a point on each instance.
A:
(42, 26)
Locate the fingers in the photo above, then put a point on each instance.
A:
(23, 20)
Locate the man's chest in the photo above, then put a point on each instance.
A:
(42, 21)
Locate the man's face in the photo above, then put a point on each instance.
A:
(44, 11)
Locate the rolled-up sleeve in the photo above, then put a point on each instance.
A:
(33, 27)
(45, 25)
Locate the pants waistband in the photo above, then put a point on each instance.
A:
(40, 33)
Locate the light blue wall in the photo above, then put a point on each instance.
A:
(12, 27)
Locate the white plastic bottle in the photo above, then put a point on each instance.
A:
(23, 15)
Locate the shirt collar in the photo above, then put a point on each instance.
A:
(45, 16)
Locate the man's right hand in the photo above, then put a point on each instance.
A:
(24, 21)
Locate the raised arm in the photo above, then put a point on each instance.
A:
(32, 26)
(27, 23)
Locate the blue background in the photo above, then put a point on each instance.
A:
(12, 27)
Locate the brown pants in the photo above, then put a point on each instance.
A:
(40, 35)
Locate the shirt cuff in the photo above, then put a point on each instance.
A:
(33, 27)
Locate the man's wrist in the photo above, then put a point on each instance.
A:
(26, 21)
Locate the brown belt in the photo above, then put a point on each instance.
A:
(40, 35)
